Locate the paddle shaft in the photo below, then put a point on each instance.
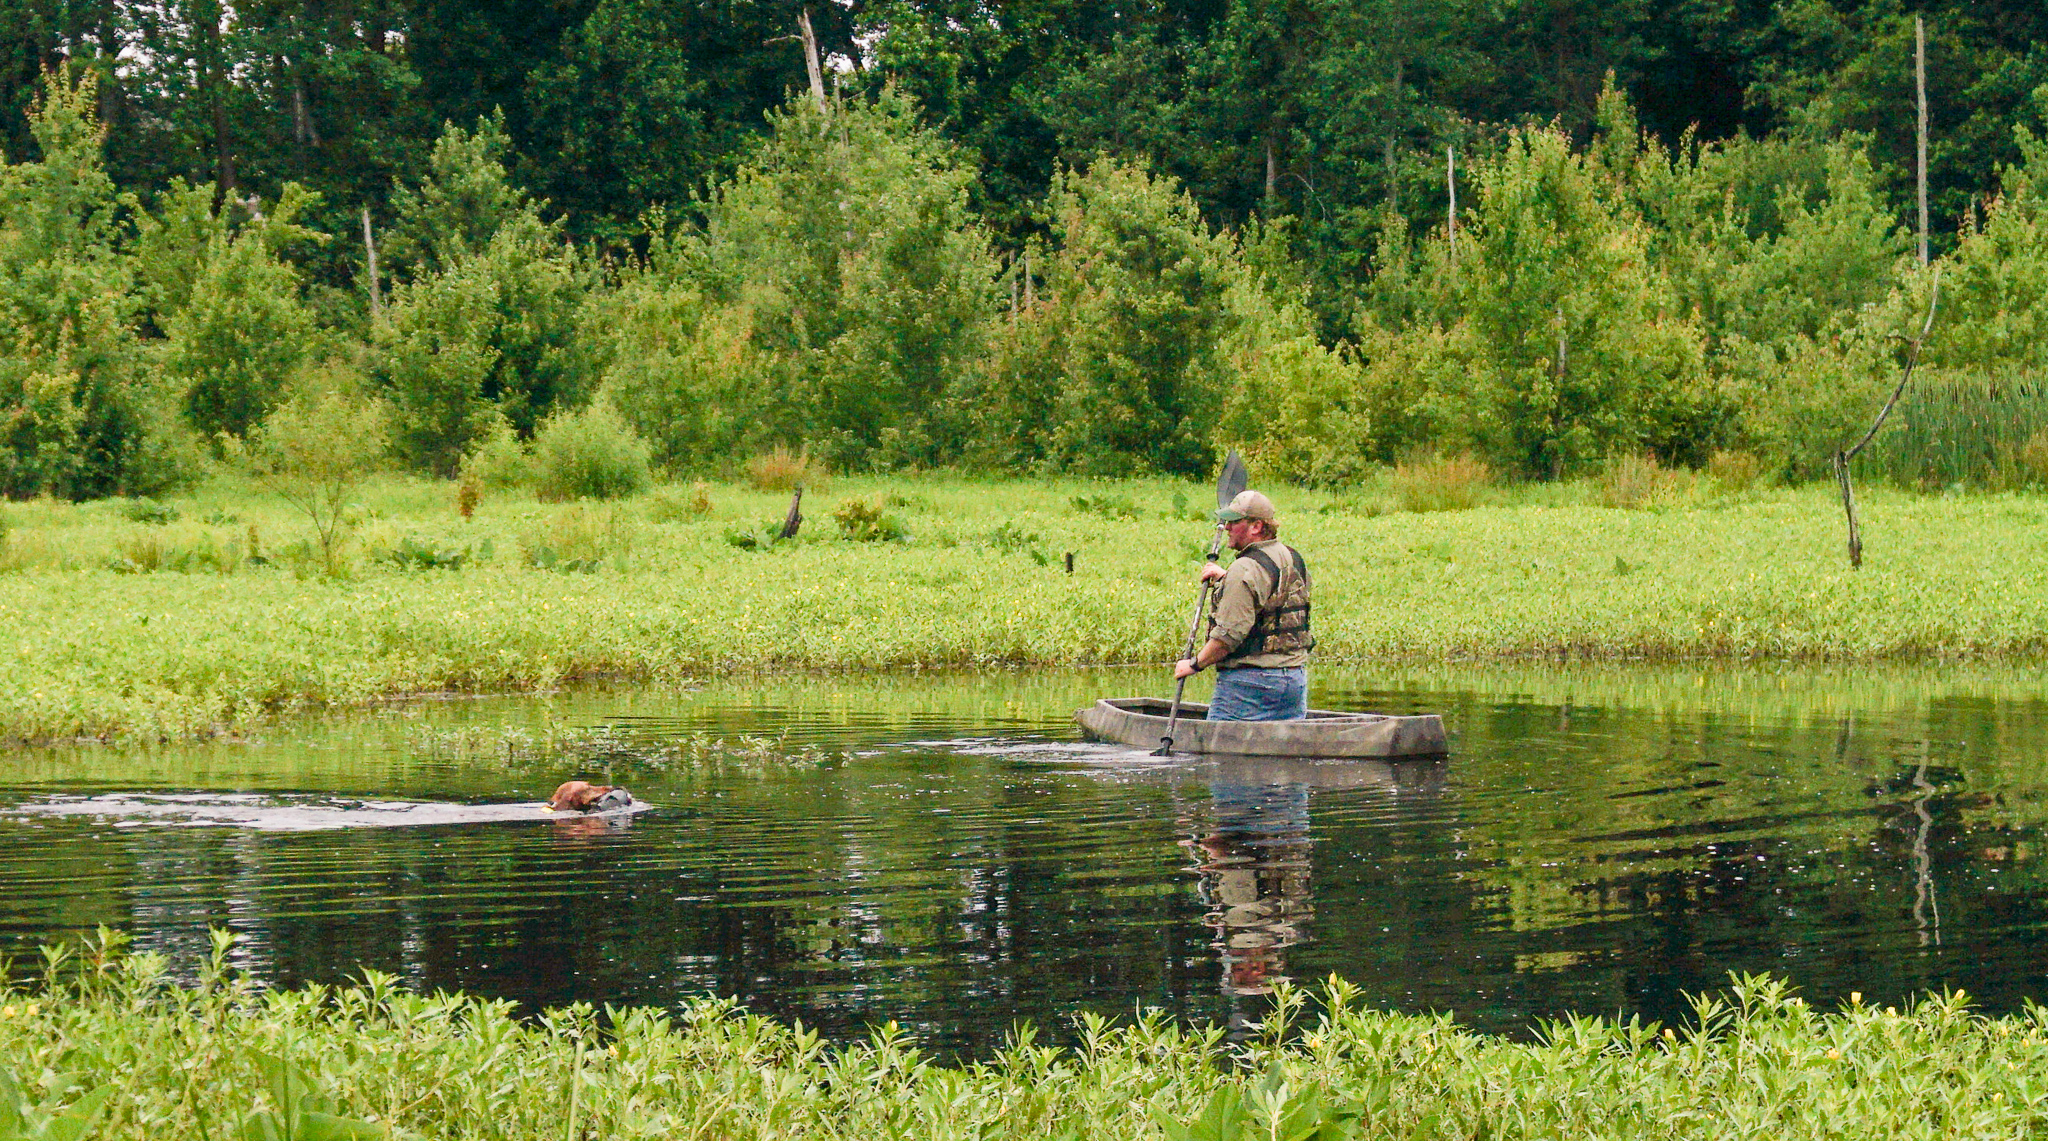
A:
(1194, 631)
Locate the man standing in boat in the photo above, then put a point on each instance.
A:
(1258, 630)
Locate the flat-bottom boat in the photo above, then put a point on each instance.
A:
(1142, 721)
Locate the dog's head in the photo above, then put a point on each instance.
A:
(576, 796)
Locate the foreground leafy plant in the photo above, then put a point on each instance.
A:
(223, 1057)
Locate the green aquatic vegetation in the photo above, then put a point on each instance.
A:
(417, 554)
(865, 521)
(97, 654)
(222, 1057)
(148, 511)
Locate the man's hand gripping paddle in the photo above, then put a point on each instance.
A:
(1228, 483)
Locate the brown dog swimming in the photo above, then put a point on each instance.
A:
(582, 796)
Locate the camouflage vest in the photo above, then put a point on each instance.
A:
(1282, 624)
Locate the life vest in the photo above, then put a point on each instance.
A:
(1282, 624)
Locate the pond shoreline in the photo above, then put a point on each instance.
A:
(105, 655)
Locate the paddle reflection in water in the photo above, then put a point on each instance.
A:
(1252, 850)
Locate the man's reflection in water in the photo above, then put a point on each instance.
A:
(1253, 876)
(1252, 860)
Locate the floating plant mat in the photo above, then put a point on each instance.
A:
(266, 812)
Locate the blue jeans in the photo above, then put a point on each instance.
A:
(1250, 694)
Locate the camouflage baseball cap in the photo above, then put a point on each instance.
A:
(1247, 505)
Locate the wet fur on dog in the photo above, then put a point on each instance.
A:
(579, 796)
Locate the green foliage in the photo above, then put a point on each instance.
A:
(498, 460)
(416, 554)
(314, 452)
(22, 1119)
(589, 454)
(149, 511)
(434, 357)
(81, 409)
(486, 323)
(129, 1050)
(1298, 410)
(683, 371)
(464, 201)
(865, 521)
(1118, 365)
(1994, 288)
(1577, 346)
(1952, 431)
(1110, 506)
(1526, 575)
(861, 282)
(239, 329)
(580, 539)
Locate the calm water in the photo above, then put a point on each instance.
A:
(1598, 841)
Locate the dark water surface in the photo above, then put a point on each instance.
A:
(945, 852)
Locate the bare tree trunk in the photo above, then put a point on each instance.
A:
(795, 518)
(1557, 459)
(212, 78)
(817, 72)
(1920, 135)
(1842, 458)
(302, 119)
(370, 249)
(1272, 169)
(1393, 180)
(1451, 184)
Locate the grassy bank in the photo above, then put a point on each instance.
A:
(118, 1048)
(126, 622)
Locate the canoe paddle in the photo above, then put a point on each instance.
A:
(1228, 483)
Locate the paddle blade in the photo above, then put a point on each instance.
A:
(1232, 480)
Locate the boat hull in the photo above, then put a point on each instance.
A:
(1142, 721)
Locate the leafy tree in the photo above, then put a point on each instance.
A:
(1577, 344)
(1126, 368)
(230, 307)
(1994, 287)
(867, 285)
(81, 410)
(433, 358)
(682, 369)
(649, 102)
(315, 451)
(490, 315)
(462, 203)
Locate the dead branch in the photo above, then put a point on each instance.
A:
(1842, 458)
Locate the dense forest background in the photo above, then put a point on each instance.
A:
(1044, 235)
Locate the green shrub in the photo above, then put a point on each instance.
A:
(498, 460)
(1636, 480)
(867, 522)
(315, 451)
(590, 454)
(146, 510)
(1441, 483)
(780, 469)
(673, 507)
(1734, 470)
(413, 554)
(581, 538)
(1112, 506)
